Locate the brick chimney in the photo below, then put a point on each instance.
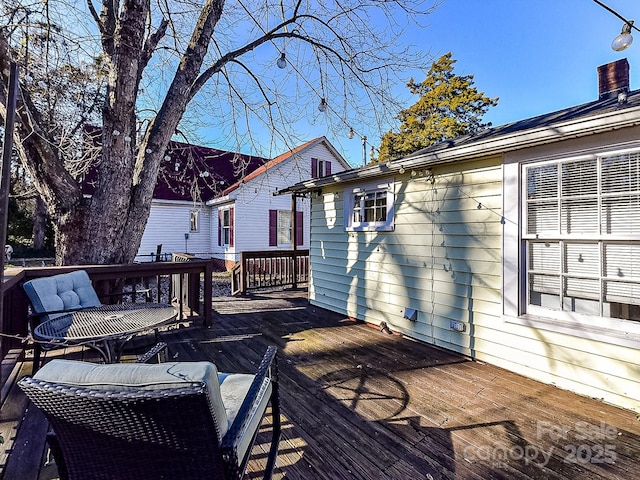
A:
(613, 78)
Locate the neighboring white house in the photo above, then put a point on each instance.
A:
(247, 216)
(518, 246)
(215, 204)
(179, 220)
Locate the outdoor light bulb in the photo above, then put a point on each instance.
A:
(350, 134)
(625, 39)
(371, 152)
(282, 61)
(323, 105)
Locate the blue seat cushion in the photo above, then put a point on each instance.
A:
(67, 291)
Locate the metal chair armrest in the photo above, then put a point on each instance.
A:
(53, 312)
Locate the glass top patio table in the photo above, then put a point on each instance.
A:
(105, 328)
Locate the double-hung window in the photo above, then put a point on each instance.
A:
(582, 236)
(284, 227)
(281, 228)
(320, 168)
(225, 226)
(369, 208)
(194, 224)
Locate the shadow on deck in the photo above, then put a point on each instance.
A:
(360, 403)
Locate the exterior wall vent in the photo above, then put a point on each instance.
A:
(410, 314)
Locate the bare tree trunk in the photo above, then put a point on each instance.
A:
(108, 227)
(112, 225)
(39, 224)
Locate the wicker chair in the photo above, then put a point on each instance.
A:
(168, 421)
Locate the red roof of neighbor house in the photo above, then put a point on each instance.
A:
(268, 165)
(192, 172)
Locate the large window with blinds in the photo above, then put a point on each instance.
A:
(582, 235)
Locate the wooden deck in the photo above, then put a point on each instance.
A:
(358, 403)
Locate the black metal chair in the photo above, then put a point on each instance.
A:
(170, 420)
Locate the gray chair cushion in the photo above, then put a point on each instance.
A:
(67, 291)
(136, 376)
(233, 389)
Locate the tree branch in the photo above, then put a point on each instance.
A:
(152, 42)
(37, 152)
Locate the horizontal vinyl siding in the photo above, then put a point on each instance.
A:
(443, 258)
(167, 225)
(255, 198)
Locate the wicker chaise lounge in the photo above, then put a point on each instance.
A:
(175, 420)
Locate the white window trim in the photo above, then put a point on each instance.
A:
(349, 196)
(609, 330)
(321, 168)
(225, 242)
(195, 213)
(283, 213)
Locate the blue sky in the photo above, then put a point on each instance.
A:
(537, 56)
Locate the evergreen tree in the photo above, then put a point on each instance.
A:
(449, 106)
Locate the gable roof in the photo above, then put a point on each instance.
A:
(282, 158)
(594, 117)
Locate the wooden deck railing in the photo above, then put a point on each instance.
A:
(270, 268)
(186, 284)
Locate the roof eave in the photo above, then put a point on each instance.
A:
(508, 142)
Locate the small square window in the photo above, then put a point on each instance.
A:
(320, 168)
(369, 208)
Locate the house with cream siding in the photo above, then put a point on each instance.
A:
(518, 245)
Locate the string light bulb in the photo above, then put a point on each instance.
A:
(323, 105)
(282, 61)
(351, 133)
(625, 39)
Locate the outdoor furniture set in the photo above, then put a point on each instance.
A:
(140, 420)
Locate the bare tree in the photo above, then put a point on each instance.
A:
(158, 59)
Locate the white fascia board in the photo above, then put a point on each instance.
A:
(219, 201)
(339, 158)
(540, 136)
